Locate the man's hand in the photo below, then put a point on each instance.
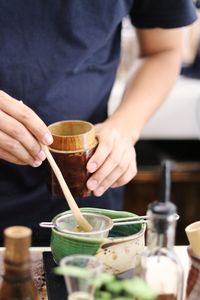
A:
(21, 132)
(114, 161)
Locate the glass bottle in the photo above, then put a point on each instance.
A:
(17, 281)
(161, 267)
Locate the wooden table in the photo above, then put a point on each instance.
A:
(38, 272)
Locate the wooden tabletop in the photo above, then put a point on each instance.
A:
(38, 271)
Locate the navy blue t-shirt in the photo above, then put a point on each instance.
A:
(60, 57)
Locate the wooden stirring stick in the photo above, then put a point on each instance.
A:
(81, 221)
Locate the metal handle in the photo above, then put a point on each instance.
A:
(46, 224)
(134, 218)
(129, 222)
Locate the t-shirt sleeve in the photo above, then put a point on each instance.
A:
(162, 13)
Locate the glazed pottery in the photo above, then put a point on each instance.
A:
(119, 252)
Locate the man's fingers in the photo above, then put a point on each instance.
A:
(106, 140)
(27, 117)
(112, 162)
(15, 151)
(9, 157)
(127, 176)
(21, 132)
(120, 174)
(18, 131)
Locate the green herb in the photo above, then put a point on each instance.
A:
(101, 279)
(72, 271)
(139, 289)
(108, 287)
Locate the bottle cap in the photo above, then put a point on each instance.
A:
(163, 208)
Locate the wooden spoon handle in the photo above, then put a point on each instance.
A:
(81, 221)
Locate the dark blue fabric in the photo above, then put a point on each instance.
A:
(164, 14)
(60, 57)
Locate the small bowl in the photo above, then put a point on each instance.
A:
(119, 252)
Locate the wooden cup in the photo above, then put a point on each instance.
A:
(74, 143)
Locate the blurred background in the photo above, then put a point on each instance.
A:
(173, 132)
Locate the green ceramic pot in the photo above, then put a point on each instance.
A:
(119, 252)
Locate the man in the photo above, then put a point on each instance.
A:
(60, 58)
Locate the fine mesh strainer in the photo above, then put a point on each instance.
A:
(101, 224)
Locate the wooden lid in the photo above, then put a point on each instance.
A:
(17, 240)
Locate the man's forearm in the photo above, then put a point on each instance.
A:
(146, 90)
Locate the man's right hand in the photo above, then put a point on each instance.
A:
(21, 132)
